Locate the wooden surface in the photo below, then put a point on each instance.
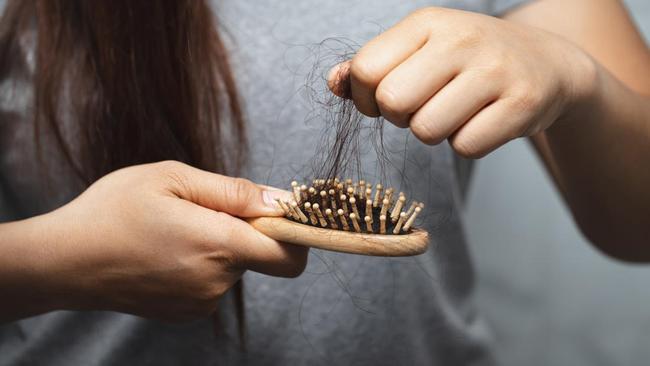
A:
(288, 231)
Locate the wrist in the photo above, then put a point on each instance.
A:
(583, 86)
(30, 277)
(66, 266)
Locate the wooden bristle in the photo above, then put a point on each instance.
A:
(410, 210)
(384, 206)
(368, 193)
(283, 206)
(389, 195)
(332, 194)
(400, 222)
(319, 214)
(394, 216)
(411, 219)
(377, 199)
(323, 199)
(344, 205)
(301, 215)
(382, 224)
(353, 204)
(303, 193)
(355, 222)
(293, 212)
(296, 190)
(344, 221)
(368, 221)
(312, 217)
(369, 210)
(330, 218)
(350, 192)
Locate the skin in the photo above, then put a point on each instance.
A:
(549, 71)
(168, 246)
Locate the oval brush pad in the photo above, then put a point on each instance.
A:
(349, 217)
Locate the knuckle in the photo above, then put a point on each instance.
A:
(518, 128)
(241, 194)
(294, 264)
(425, 14)
(389, 101)
(204, 297)
(179, 180)
(426, 131)
(467, 147)
(293, 269)
(364, 71)
(496, 70)
(169, 165)
(210, 294)
(172, 174)
(527, 99)
(469, 36)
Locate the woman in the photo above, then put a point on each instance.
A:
(164, 240)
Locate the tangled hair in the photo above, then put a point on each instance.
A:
(345, 130)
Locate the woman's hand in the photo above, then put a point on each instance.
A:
(161, 240)
(473, 79)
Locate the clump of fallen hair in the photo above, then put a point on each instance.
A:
(345, 130)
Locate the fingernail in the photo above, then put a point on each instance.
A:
(270, 196)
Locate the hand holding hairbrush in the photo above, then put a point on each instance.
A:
(349, 217)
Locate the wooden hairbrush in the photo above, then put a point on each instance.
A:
(349, 217)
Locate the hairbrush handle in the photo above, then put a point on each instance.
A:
(281, 229)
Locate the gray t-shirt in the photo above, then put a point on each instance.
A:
(344, 309)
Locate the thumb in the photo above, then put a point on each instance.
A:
(338, 80)
(234, 196)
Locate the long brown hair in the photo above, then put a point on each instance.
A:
(140, 81)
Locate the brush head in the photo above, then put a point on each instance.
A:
(351, 206)
(349, 217)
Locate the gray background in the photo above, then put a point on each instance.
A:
(551, 298)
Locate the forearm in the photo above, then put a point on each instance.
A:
(28, 274)
(599, 153)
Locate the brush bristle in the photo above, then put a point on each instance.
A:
(351, 206)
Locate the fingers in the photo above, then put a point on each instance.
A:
(377, 58)
(453, 106)
(235, 196)
(492, 127)
(233, 243)
(409, 85)
(255, 251)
